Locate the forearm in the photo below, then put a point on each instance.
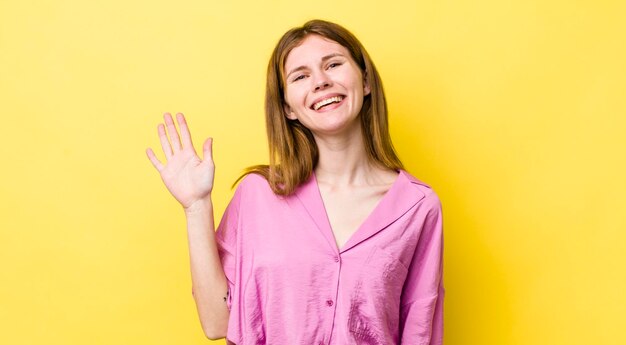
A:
(208, 279)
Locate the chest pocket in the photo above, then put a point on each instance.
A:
(375, 303)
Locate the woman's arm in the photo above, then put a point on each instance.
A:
(190, 180)
(421, 310)
(207, 275)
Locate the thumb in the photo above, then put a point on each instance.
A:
(207, 149)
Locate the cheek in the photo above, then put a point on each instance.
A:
(289, 101)
(354, 83)
(295, 97)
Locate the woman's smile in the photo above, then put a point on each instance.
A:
(328, 103)
(322, 78)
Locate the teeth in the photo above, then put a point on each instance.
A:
(326, 101)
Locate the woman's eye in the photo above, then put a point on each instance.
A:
(334, 64)
(301, 76)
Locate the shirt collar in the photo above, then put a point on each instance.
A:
(398, 200)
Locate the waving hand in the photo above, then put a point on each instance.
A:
(188, 178)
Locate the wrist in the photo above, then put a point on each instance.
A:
(199, 206)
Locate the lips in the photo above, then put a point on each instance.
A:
(326, 100)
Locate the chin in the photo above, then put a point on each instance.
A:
(336, 128)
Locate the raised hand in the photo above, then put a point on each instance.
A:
(188, 178)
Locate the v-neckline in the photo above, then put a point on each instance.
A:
(398, 200)
(372, 213)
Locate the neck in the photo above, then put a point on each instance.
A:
(343, 160)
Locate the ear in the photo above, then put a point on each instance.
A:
(289, 112)
(366, 85)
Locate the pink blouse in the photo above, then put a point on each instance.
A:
(289, 283)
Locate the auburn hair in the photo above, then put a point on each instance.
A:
(293, 153)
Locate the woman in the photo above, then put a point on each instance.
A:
(332, 242)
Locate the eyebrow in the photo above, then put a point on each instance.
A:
(324, 59)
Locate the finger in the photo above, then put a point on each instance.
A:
(173, 133)
(207, 149)
(165, 144)
(155, 162)
(185, 136)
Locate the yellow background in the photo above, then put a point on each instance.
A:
(514, 111)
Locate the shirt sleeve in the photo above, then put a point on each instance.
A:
(421, 309)
(226, 239)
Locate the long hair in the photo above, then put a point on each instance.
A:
(292, 148)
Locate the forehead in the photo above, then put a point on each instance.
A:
(311, 50)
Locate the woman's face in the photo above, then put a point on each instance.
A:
(324, 87)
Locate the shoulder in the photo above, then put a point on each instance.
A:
(253, 185)
(427, 194)
(252, 180)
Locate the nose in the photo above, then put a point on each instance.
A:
(322, 82)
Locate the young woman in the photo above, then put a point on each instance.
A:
(333, 242)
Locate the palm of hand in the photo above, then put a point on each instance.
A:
(186, 176)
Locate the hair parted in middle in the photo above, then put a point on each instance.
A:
(292, 148)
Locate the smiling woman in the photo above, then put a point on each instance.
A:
(293, 147)
(333, 242)
(329, 81)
